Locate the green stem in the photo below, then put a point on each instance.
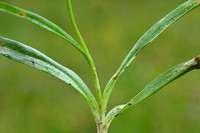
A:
(102, 129)
(88, 56)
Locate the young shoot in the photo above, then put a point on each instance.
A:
(27, 55)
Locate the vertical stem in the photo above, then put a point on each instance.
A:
(102, 129)
(88, 56)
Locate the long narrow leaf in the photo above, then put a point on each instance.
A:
(31, 57)
(147, 38)
(41, 21)
(156, 85)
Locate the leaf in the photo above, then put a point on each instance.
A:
(43, 22)
(157, 84)
(31, 57)
(147, 38)
(112, 113)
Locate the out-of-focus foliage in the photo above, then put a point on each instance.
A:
(32, 101)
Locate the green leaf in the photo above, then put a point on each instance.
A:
(147, 38)
(31, 57)
(43, 22)
(156, 85)
(112, 113)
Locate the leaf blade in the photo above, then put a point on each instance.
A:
(32, 57)
(41, 21)
(147, 38)
(158, 83)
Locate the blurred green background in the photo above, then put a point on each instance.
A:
(32, 101)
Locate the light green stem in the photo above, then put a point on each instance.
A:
(88, 56)
(102, 129)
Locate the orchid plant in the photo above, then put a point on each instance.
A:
(29, 56)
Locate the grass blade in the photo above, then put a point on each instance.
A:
(43, 22)
(88, 55)
(147, 38)
(157, 84)
(113, 112)
(31, 57)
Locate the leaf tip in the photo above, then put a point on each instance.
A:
(197, 60)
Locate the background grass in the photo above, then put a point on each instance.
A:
(34, 102)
